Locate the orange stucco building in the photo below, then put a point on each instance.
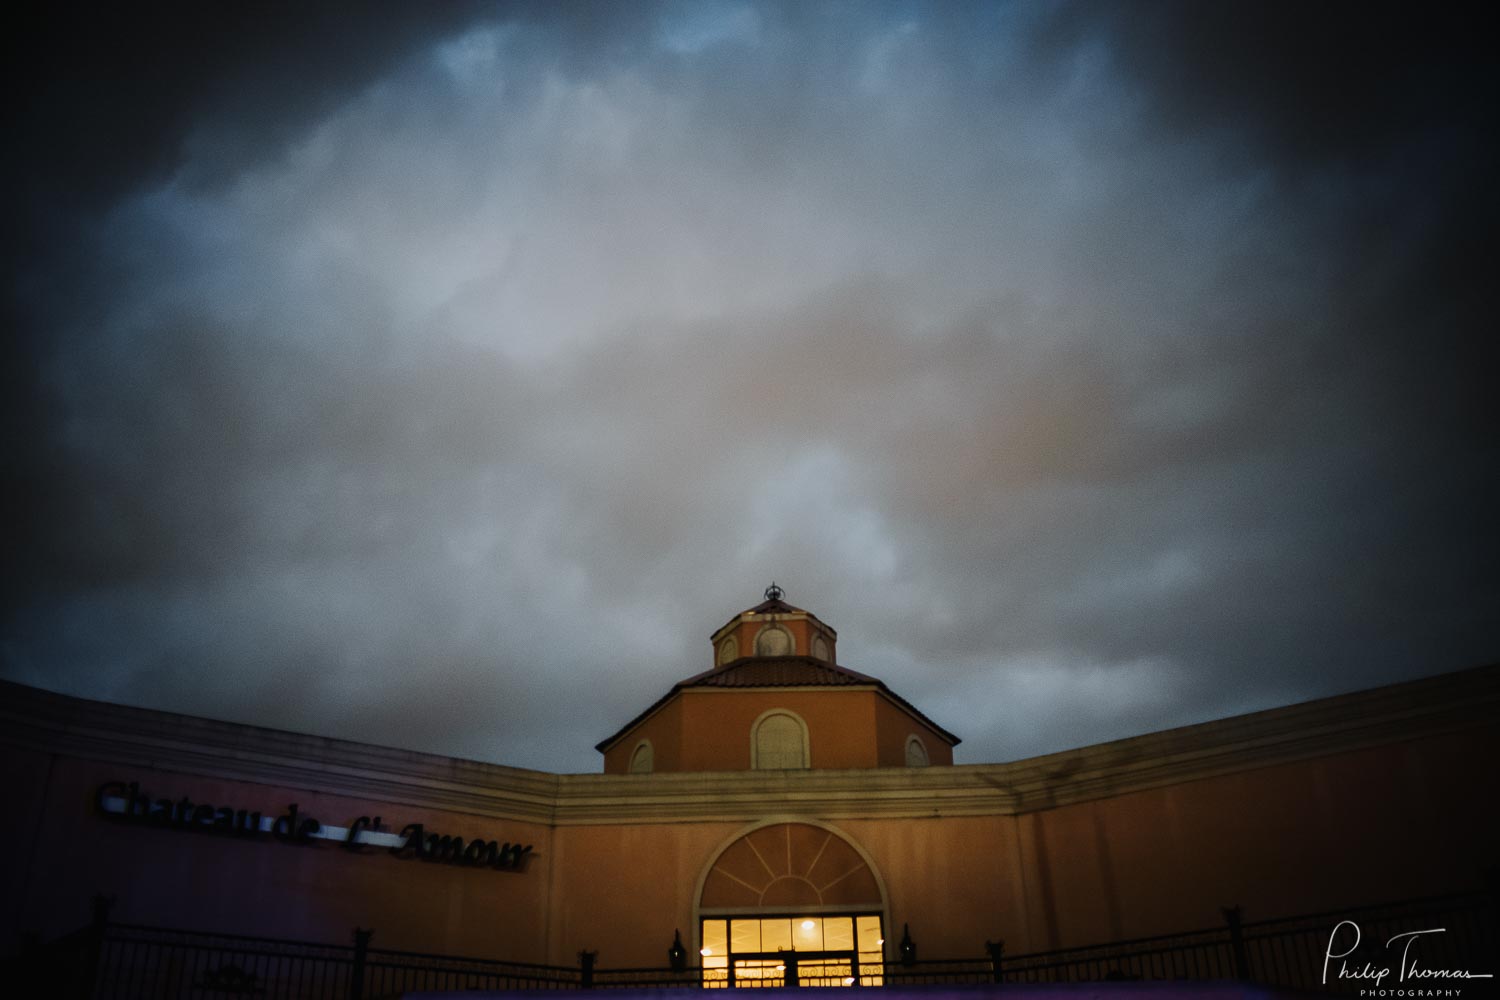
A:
(774, 798)
(775, 681)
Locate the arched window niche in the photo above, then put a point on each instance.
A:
(779, 742)
(916, 752)
(643, 758)
(774, 640)
(820, 649)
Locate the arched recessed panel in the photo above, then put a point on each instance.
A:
(774, 640)
(643, 760)
(916, 752)
(778, 742)
(729, 650)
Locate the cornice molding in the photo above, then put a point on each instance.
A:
(58, 724)
(136, 737)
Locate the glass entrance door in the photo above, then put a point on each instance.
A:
(845, 949)
(794, 968)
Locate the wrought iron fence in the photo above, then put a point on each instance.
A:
(391, 973)
(1199, 955)
(107, 961)
(1457, 932)
(939, 972)
(663, 978)
(139, 962)
(1286, 952)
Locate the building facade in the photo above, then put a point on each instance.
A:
(776, 801)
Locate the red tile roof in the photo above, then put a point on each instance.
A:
(774, 605)
(779, 671)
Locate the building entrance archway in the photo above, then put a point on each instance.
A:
(791, 903)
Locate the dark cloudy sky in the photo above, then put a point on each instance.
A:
(441, 376)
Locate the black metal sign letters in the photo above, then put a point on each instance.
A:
(127, 803)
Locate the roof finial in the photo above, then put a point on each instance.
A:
(773, 592)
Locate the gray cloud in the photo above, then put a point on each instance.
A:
(1087, 383)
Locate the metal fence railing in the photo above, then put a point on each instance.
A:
(390, 973)
(1290, 952)
(156, 962)
(1199, 955)
(108, 961)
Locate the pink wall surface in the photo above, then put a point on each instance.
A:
(318, 891)
(1389, 822)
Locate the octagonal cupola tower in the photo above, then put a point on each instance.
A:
(773, 628)
(775, 699)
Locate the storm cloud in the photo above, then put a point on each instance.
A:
(441, 376)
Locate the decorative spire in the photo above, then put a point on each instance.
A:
(773, 592)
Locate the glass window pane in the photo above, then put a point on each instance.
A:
(723, 939)
(838, 933)
(807, 933)
(759, 972)
(776, 934)
(714, 941)
(744, 935)
(825, 974)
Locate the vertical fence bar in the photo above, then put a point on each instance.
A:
(357, 973)
(996, 951)
(94, 947)
(139, 976)
(1232, 916)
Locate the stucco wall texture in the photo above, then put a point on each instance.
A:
(1372, 823)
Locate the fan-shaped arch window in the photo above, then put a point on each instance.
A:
(916, 752)
(643, 760)
(778, 741)
(773, 640)
(729, 650)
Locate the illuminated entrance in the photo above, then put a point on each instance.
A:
(807, 950)
(791, 904)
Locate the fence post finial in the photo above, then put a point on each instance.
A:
(98, 924)
(1232, 917)
(996, 951)
(100, 908)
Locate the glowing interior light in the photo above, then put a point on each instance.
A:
(881, 941)
(848, 980)
(706, 951)
(808, 926)
(780, 968)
